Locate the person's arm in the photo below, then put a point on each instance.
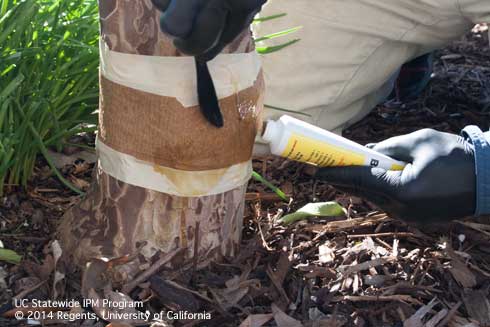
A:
(448, 176)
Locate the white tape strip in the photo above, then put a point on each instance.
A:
(136, 172)
(176, 76)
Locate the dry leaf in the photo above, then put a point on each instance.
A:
(257, 320)
(58, 275)
(416, 320)
(326, 253)
(61, 160)
(460, 272)
(478, 306)
(282, 319)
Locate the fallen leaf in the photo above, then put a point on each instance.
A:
(320, 209)
(92, 276)
(61, 160)
(10, 256)
(257, 320)
(58, 275)
(119, 324)
(228, 298)
(478, 306)
(172, 297)
(282, 319)
(460, 272)
(434, 321)
(26, 285)
(3, 283)
(416, 320)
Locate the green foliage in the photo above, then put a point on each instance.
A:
(319, 209)
(48, 79)
(266, 18)
(264, 49)
(275, 48)
(278, 34)
(9, 256)
(275, 189)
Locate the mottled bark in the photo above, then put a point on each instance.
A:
(117, 219)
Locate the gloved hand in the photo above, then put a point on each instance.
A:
(202, 28)
(439, 183)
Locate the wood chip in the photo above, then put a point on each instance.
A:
(347, 270)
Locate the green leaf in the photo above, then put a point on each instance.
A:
(266, 18)
(12, 86)
(275, 48)
(3, 7)
(10, 256)
(319, 209)
(278, 34)
(276, 190)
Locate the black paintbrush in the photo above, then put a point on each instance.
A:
(208, 100)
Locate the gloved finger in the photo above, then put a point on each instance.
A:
(373, 184)
(162, 5)
(242, 18)
(249, 5)
(398, 147)
(207, 30)
(384, 201)
(364, 180)
(178, 18)
(237, 25)
(229, 34)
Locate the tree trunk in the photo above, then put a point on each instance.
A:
(166, 179)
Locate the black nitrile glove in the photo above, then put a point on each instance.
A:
(202, 28)
(439, 183)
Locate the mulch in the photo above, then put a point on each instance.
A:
(363, 270)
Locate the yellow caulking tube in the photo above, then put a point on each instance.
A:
(299, 141)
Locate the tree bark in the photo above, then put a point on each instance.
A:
(118, 218)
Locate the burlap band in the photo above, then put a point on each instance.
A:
(159, 130)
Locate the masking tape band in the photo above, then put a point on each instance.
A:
(176, 76)
(130, 170)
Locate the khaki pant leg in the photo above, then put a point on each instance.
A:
(477, 11)
(349, 49)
